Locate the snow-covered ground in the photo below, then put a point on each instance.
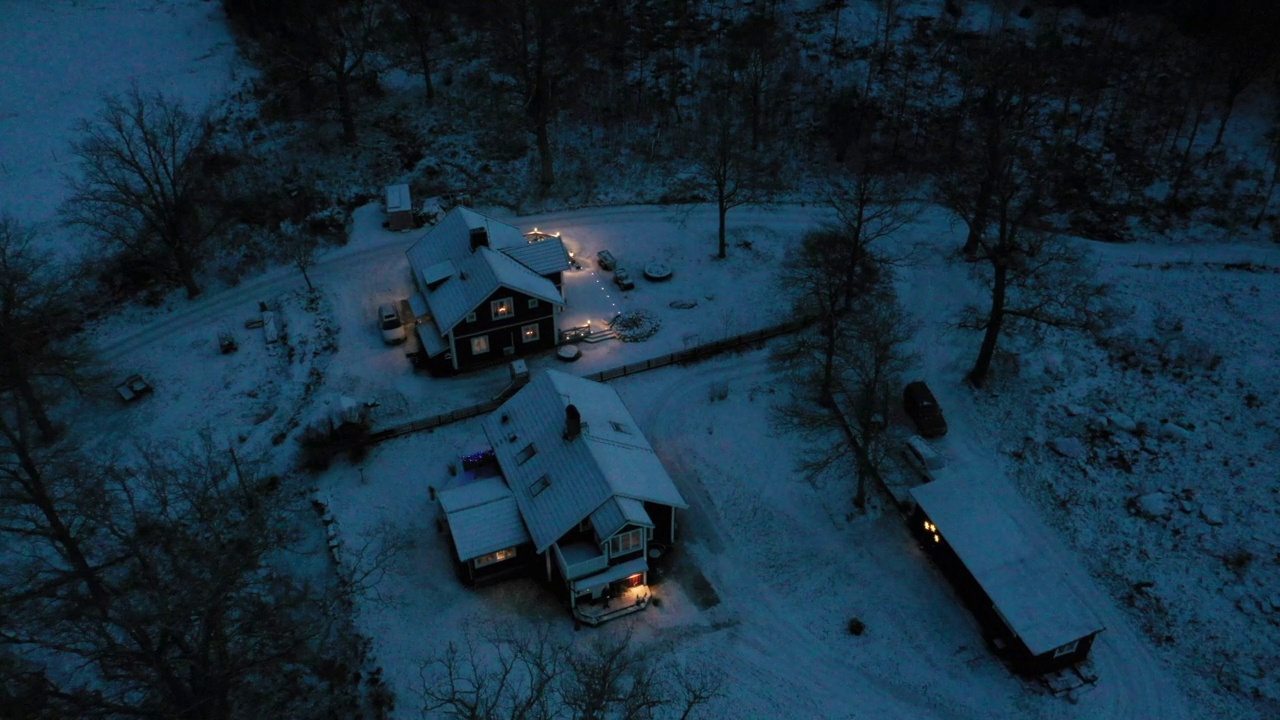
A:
(1177, 411)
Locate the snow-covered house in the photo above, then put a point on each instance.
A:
(594, 503)
(1024, 602)
(485, 292)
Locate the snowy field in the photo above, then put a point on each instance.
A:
(1178, 411)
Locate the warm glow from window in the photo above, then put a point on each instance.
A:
(501, 308)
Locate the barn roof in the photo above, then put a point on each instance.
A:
(1029, 591)
(606, 473)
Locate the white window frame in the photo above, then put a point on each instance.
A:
(1067, 649)
(634, 538)
(495, 557)
(471, 317)
(495, 305)
(533, 303)
(526, 337)
(479, 344)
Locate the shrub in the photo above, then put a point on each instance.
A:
(856, 627)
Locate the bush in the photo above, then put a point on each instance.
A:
(856, 627)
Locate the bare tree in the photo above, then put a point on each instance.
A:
(844, 374)
(510, 673)
(147, 183)
(871, 206)
(726, 167)
(299, 248)
(336, 40)
(1035, 277)
(155, 576)
(39, 316)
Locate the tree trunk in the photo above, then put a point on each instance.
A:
(22, 385)
(425, 58)
(187, 272)
(978, 375)
(829, 353)
(346, 110)
(724, 245)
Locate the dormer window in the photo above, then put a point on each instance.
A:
(525, 454)
(619, 427)
(503, 308)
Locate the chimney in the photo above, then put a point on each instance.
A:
(572, 422)
(479, 237)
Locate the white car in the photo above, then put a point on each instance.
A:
(922, 458)
(390, 324)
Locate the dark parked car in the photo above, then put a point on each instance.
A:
(922, 407)
(622, 279)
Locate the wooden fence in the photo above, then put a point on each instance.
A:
(693, 354)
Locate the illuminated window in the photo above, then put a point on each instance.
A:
(1067, 649)
(480, 345)
(530, 333)
(623, 543)
(495, 557)
(503, 308)
(471, 317)
(533, 303)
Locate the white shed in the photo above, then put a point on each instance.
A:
(399, 207)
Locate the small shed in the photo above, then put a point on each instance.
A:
(399, 207)
(489, 538)
(1023, 600)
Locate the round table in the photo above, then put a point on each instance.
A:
(657, 271)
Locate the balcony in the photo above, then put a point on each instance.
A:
(580, 558)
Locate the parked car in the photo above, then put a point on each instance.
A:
(923, 409)
(390, 324)
(622, 279)
(606, 260)
(923, 459)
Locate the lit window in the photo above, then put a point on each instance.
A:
(495, 557)
(503, 308)
(523, 456)
(480, 345)
(471, 317)
(626, 542)
(533, 303)
(530, 332)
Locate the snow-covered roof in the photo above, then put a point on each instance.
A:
(557, 482)
(398, 199)
(610, 574)
(544, 257)
(455, 279)
(483, 518)
(1029, 591)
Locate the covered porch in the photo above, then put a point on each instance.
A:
(616, 591)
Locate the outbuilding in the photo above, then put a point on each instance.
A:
(399, 207)
(1023, 600)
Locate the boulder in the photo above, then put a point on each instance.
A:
(1120, 421)
(1211, 514)
(1152, 506)
(1069, 447)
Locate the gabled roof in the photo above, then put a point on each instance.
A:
(558, 483)
(1028, 590)
(483, 518)
(455, 280)
(544, 257)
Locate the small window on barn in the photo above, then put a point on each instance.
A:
(537, 486)
(523, 456)
(1067, 649)
(530, 333)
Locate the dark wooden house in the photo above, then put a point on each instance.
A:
(1024, 602)
(488, 293)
